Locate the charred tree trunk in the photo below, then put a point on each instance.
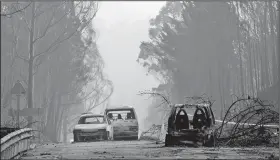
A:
(274, 38)
(60, 114)
(251, 70)
(266, 63)
(220, 89)
(30, 88)
(255, 63)
(239, 52)
(48, 128)
(210, 83)
(277, 51)
(65, 129)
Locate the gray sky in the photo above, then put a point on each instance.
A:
(121, 26)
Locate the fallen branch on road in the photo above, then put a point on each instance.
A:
(248, 122)
(203, 99)
(152, 134)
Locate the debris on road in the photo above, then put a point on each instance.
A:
(249, 122)
(152, 134)
(198, 131)
(45, 153)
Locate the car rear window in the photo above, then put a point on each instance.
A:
(92, 120)
(121, 114)
(189, 110)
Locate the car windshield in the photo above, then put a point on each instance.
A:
(92, 120)
(189, 110)
(121, 114)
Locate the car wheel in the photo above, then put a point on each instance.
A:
(210, 141)
(133, 138)
(114, 137)
(106, 135)
(76, 138)
(110, 138)
(168, 140)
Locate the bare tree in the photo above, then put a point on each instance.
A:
(250, 119)
(16, 10)
(55, 16)
(95, 100)
(165, 98)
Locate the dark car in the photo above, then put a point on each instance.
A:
(190, 124)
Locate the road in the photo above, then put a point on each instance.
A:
(142, 150)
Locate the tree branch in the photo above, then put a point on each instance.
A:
(15, 42)
(23, 78)
(57, 41)
(82, 99)
(37, 63)
(49, 25)
(166, 100)
(46, 9)
(25, 21)
(9, 15)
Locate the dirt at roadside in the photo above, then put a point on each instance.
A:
(144, 150)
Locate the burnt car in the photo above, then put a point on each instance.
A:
(190, 124)
(92, 127)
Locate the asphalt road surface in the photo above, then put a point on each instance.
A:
(142, 150)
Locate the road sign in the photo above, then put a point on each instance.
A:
(18, 89)
(31, 112)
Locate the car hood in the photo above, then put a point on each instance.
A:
(90, 127)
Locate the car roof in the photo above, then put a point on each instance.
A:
(192, 105)
(92, 115)
(122, 107)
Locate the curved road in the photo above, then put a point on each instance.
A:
(142, 150)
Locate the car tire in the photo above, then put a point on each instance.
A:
(168, 140)
(111, 138)
(134, 138)
(76, 138)
(106, 135)
(210, 141)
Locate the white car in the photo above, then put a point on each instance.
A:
(92, 127)
(124, 121)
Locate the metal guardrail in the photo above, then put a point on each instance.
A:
(15, 143)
